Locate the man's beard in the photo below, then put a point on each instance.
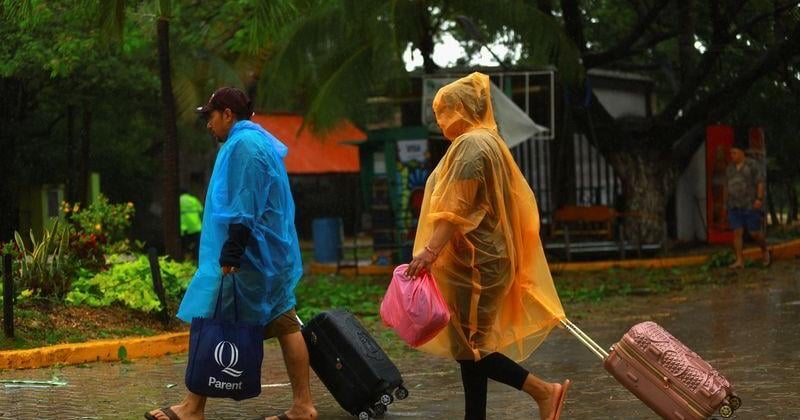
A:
(214, 137)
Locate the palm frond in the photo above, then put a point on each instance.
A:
(334, 99)
(112, 17)
(544, 40)
(329, 61)
(17, 9)
(192, 83)
(265, 22)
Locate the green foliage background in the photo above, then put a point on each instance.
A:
(129, 282)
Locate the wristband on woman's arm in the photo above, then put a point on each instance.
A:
(234, 247)
(428, 248)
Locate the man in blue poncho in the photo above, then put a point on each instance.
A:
(248, 229)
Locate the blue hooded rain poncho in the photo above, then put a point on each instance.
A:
(248, 186)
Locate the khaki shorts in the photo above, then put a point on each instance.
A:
(287, 323)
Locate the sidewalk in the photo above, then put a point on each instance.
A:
(748, 328)
(138, 347)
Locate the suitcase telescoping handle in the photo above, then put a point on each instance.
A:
(585, 339)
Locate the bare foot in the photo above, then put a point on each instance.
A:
(736, 266)
(548, 406)
(181, 411)
(298, 413)
(767, 261)
(551, 406)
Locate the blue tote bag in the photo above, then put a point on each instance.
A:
(225, 356)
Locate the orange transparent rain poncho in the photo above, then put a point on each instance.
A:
(492, 273)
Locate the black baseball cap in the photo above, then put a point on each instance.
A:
(741, 138)
(228, 97)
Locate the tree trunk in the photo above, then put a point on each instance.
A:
(686, 49)
(426, 43)
(563, 160)
(646, 187)
(83, 165)
(573, 23)
(70, 172)
(546, 6)
(791, 198)
(9, 194)
(12, 95)
(773, 213)
(170, 214)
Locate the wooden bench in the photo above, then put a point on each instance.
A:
(585, 229)
(594, 229)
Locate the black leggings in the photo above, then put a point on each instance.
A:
(474, 376)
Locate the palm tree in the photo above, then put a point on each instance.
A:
(171, 215)
(340, 52)
(264, 17)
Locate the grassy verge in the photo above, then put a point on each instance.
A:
(40, 323)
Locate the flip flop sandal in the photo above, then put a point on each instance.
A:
(281, 416)
(167, 412)
(562, 398)
(768, 260)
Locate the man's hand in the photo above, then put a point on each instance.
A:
(226, 269)
(758, 204)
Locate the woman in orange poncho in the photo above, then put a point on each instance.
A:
(479, 235)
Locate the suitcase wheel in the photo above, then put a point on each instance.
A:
(735, 402)
(386, 399)
(401, 393)
(726, 411)
(379, 410)
(364, 415)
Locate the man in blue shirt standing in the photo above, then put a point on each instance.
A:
(248, 229)
(744, 199)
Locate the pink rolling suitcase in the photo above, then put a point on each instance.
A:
(666, 375)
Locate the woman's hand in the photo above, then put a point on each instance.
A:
(421, 262)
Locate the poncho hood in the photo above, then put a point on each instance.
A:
(464, 105)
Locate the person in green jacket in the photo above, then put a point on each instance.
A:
(191, 223)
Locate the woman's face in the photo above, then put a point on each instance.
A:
(451, 123)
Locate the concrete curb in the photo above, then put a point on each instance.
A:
(786, 250)
(140, 347)
(95, 351)
(783, 251)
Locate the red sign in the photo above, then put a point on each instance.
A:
(719, 139)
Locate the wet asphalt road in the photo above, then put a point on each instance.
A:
(748, 328)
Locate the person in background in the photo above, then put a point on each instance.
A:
(745, 190)
(191, 223)
(248, 229)
(478, 234)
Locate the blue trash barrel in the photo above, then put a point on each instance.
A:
(327, 233)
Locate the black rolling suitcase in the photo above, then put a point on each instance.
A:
(351, 364)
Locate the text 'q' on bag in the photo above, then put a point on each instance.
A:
(414, 308)
(225, 356)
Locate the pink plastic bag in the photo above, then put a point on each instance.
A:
(414, 308)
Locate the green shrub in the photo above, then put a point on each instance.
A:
(719, 260)
(128, 281)
(321, 293)
(45, 266)
(107, 223)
